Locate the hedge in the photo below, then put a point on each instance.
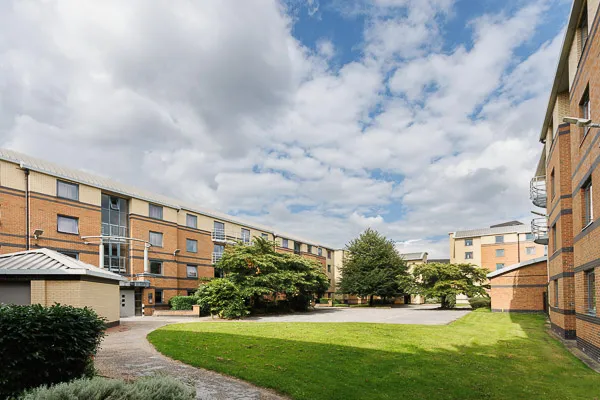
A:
(46, 345)
(182, 302)
(147, 388)
(323, 300)
(480, 302)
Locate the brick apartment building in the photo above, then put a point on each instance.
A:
(164, 247)
(563, 184)
(495, 247)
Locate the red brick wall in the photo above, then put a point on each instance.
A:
(520, 290)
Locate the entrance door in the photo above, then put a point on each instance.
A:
(127, 303)
(138, 301)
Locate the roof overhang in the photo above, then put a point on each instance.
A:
(514, 267)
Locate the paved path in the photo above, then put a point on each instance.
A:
(425, 314)
(125, 353)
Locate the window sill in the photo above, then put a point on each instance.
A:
(67, 198)
(591, 313)
(66, 233)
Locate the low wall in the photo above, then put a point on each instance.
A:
(195, 312)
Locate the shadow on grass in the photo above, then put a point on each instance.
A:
(417, 368)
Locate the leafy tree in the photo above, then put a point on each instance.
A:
(446, 281)
(372, 267)
(259, 270)
(223, 298)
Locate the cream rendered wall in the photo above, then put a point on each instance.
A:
(508, 238)
(142, 207)
(206, 223)
(592, 6)
(12, 176)
(104, 298)
(457, 255)
(337, 262)
(46, 184)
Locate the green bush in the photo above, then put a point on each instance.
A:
(480, 302)
(148, 388)
(222, 298)
(341, 305)
(323, 300)
(46, 345)
(182, 302)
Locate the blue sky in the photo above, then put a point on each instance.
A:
(321, 118)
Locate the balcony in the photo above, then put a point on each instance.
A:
(539, 228)
(231, 237)
(537, 191)
(216, 257)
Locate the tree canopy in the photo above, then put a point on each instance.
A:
(259, 270)
(446, 281)
(372, 267)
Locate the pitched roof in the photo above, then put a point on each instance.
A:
(414, 256)
(516, 266)
(501, 230)
(509, 223)
(49, 262)
(438, 260)
(71, 174)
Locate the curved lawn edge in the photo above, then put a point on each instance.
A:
(480, 355)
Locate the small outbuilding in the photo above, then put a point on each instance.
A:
(520, 287)
(45, 277)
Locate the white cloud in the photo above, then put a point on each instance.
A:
(204, 103)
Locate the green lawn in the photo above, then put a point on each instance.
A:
(481, 356)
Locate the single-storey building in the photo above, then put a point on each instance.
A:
(45, 277)
(520, 287)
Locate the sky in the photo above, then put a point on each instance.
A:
(320, 118)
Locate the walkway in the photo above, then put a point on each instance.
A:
(126, 354)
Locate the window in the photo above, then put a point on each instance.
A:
(583, 29)
(556, 293)
(328, 268)
(309, 249)
(158, 294)
(590, 291)
(246, 236)
(468, 242)
(530, 251)
(156, 267)
(285, 244)
(587, 206)
(264, 235)
(499, 252)
(584, 110)
(68, 224)
(554, 247)
(328, 253)
(500, 239)
(71, 254)
(191, 221)
(552, 185)
(192, 271)
(297, 247)
(155, 211)
(469, 255)
(218, 230)
(499, 265)
(67, 190)
(320, 251)
(191, 245)
(529, 237)
(156, 239)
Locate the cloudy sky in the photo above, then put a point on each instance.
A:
(321, 118)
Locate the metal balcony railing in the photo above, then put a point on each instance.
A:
(537, 191)
(539, 228)
(225, 236)
(216, 257)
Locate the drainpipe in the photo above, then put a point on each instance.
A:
(146, 264)
(518, 249)
(27, 208)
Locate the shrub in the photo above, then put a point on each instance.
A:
(341, 305)
(480, 302)
(46, 345)
(222, 298)
(148, 388)
(182, 302)
(323, 300)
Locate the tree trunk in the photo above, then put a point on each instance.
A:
(371, 301)
(444, 302)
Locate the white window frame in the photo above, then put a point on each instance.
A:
(285, 243)
(66, 217)
(588, 203)
(65, 183)
(191, 267)
(188, 242)
(156, 207)
(468, 242)
(162, 238)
